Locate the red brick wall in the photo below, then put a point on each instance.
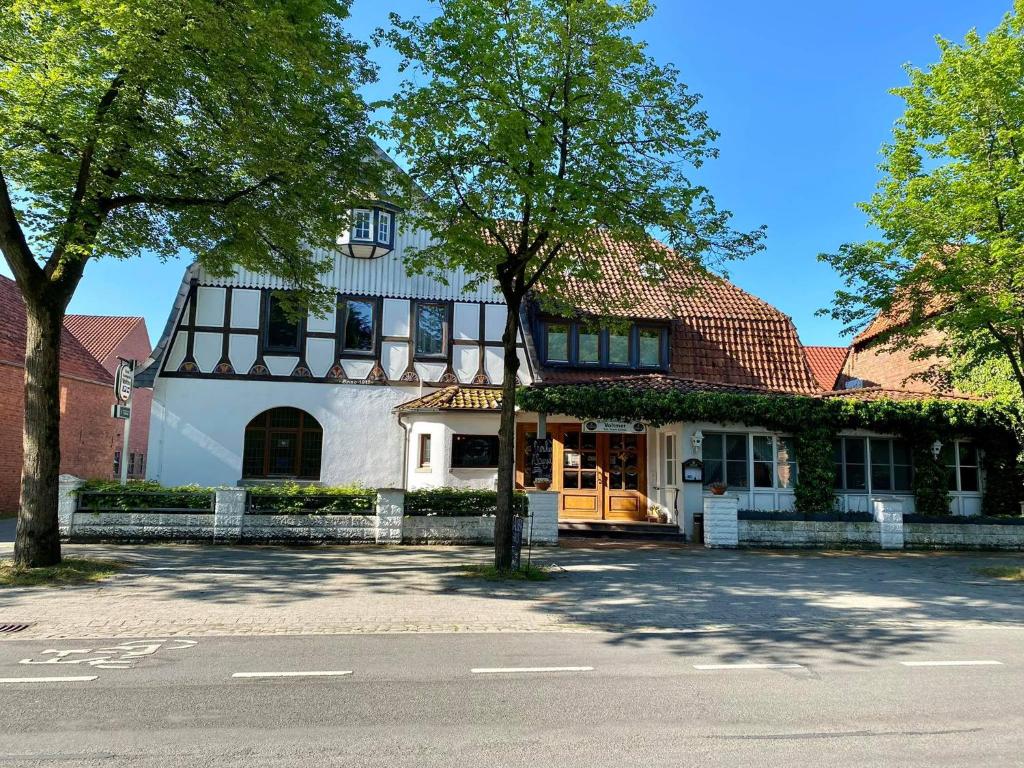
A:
(888, 369)
(88, 433)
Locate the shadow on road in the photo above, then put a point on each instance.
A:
(771, 605)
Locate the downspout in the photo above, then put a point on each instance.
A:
(405, 453)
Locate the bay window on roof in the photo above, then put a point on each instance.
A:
(371, 232)
(628, 345)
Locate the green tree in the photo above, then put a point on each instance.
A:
(949, 266)
(230, 129)
(532, 124)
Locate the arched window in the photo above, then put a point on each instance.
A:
(283, 442)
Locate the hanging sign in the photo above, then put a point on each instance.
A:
(119, 411)
(124, 380)
(615, 427)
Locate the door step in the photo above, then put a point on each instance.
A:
(627, 531)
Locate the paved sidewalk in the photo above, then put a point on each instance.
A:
(832, 598)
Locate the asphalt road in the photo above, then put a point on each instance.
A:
(624, 700)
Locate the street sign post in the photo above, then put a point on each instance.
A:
(124, 383)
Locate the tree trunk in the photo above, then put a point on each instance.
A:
(507, 439)
(37, 541)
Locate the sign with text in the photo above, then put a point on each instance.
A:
(693, 471)
(615, 427)
(540, 458)
(517, 541)
(124, 380)
(119, 411)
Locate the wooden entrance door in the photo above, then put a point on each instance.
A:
(581, 475)
(625, 477)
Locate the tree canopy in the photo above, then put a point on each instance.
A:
(948, 269)
(229, 129)
(531, 123)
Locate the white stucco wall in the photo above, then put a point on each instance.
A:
(198, 426)
(441, 427)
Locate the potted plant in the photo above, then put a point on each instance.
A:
(718, 488)
(542, 483)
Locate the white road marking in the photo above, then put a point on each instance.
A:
(973, 663)
(75, 679)
(503, 670)
(322, 673)
(705, 667)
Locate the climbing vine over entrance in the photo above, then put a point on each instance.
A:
(814, 423)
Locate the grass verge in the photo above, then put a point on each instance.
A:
(1006, 572)
(72, 570)
(526, 572)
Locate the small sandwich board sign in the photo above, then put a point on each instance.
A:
(124, 380)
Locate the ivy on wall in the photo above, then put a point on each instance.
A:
(814, 423)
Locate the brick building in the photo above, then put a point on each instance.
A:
(89, 436)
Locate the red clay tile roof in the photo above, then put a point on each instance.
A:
(75, 359)
(720, 333)
(898, 315)
(456, 398)
(100, 334)
(880, 393)
(826, 364)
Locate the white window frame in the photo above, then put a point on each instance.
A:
(958, 467)
(775, 463)
(669, 463)
(357, 227)
(382, 217)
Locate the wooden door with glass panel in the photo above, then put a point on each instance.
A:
(581, 475)
(624, 491)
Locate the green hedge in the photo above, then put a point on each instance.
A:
(295, 499)
(140, 495)
(458, 502)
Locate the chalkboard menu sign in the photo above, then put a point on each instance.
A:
(517, 541)
(540, 458)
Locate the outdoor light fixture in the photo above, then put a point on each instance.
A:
(698, 441)
(936, 448)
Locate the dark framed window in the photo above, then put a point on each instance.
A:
(725, 459)
(577, 344)
(892, 468)
(424, 462)
(649, 347)
(282, 334)
(431, 323)
(360, 325)
(849, 456)
(557, 342)
(472, 451)
(283, 442)
(963, 466)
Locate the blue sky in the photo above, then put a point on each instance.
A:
(798, 90)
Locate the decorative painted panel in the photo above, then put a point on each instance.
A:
(322, 324)
(245, 308)
(242, 351)
(467, 321)
(396, 317)
(177, 354)
(281, 366)
(210, 306)
(319, 356)
(494, 322)
(466, 362)
(207, 349)
(395, 359)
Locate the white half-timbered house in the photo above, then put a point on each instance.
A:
(398, 387)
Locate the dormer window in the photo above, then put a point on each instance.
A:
(578, 344)
(372, 232)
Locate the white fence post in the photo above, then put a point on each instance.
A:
(228, 511)
(721, 522)
(67, 503)
(542, 524)
(390, 511)
(889, 516)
